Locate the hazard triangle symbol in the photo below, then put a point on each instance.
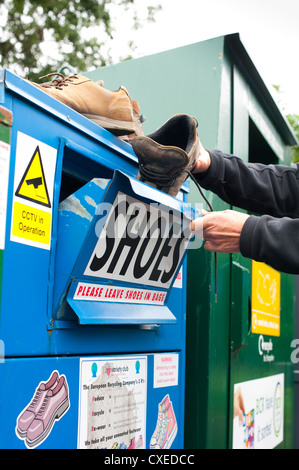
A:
(33, 186)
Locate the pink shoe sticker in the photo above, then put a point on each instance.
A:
(49, 403)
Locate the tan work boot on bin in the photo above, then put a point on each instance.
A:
(168, 155)
(112, 110)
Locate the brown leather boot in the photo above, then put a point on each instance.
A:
(112, 110)
(168, 154)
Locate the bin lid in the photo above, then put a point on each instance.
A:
(139, 236)
(90, 312)
(130, 257)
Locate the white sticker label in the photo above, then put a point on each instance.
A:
(112, 403)
(179, 279)
(258, 413)
(33, 192)
(166, 370)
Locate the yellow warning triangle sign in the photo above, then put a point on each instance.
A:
(33, 186)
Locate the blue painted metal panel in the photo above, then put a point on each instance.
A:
(37, 334)
(23, 377)
(84, 152)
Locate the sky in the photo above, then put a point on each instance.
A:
(269, 30)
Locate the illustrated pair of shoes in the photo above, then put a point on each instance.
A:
(122, 445)
(112, 110)
(166, 426)
(132, 443)
(49, 402)
(136, 445)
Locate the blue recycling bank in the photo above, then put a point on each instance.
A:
(93, 285)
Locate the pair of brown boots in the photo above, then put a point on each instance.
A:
(166, 157)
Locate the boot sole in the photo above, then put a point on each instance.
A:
(116, 127)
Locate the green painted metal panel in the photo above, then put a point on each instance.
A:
(183, 80)
(208, 319)
(255, 138)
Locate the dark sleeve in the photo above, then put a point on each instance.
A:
(262, 189)
(274, 241)
(272, 190)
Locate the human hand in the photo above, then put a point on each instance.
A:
(203, 161)
(220, 230)
(239, 407)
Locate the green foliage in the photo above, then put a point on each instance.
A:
(294, 121)
(25, 25)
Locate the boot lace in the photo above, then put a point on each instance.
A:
(44, 406)
(35, 399)
(59, 81)
(167, 181)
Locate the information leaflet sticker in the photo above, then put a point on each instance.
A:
(33, 192)
(166, 370)
(265, 299)
(112, 403)
(258, 413)
(139, 243)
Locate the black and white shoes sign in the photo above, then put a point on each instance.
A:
(138, 243)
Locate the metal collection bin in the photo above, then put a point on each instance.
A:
(233, 343)
(93, 310)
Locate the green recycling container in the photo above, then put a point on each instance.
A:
(240, 314)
